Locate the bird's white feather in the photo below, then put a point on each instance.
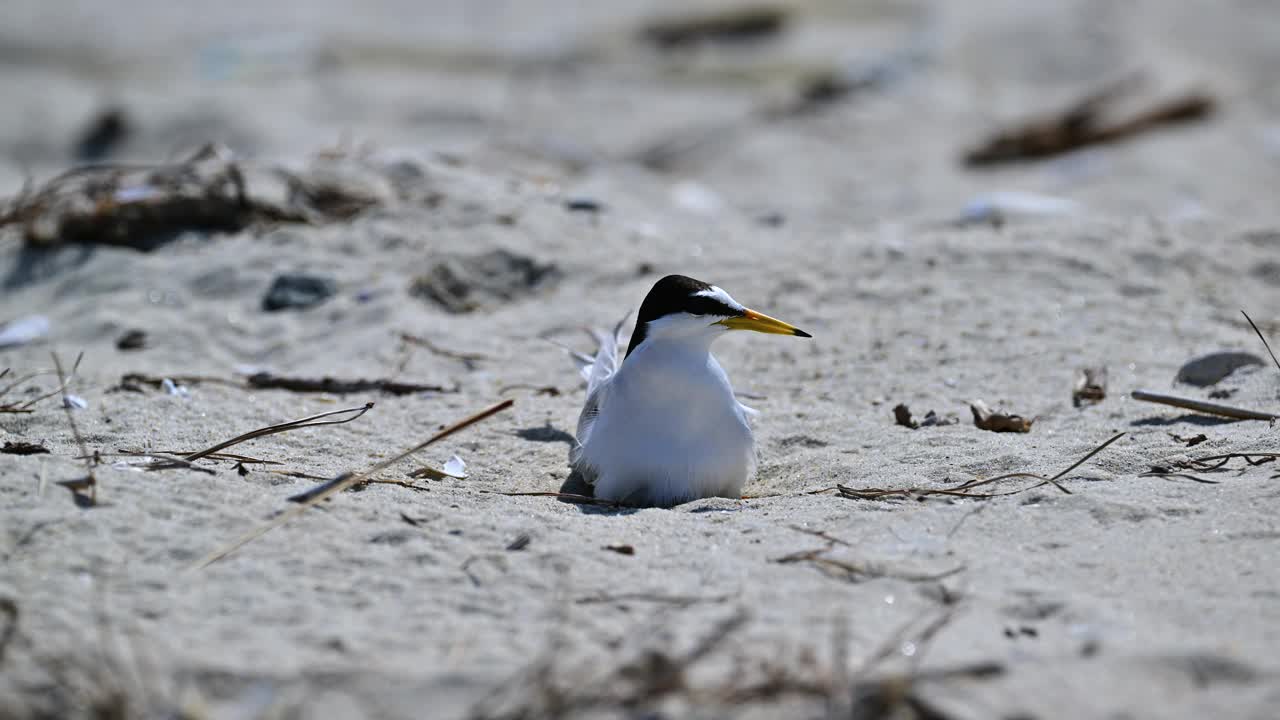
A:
(663, 426)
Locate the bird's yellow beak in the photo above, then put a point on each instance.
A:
(752, 320)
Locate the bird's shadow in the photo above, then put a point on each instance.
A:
(546, 434)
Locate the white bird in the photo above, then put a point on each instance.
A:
(662, 426)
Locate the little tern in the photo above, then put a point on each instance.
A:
(662, 426)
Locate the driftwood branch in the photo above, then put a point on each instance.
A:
(1203, 407)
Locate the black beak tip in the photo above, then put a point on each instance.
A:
(801, 333)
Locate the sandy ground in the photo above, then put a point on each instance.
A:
(1131, 596)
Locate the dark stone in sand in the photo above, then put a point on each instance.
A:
(1212, 368)
(462, 284)
(132, 340)
(583, 205)
(298, 292)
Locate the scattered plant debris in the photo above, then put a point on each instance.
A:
(1083, 124)
(856, 572)
(26, 407)
(306, 422)
(1189, 441)
(902, 416)
(1090, 387)
(469, 359)
(341, 482)
(1200, 406)
(1213, 368)
(298, 291)
(733, 25)
(1210, 464)
(135, 382)
(967, 489)
(144, 206)
(334, 386)
(21, 447)
(987, 419)
(90, 481)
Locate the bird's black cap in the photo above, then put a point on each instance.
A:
(678, 294)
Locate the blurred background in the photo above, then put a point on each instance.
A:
(850, 111)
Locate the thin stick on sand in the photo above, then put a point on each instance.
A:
(342, 482)
(964, 490)
(1265, 344)
(282, 427)
(63, 381)
(1203, 407)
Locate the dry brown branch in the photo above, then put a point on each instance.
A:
(1203, 407)
(964, 489)
(343, 482)
(1082, 124)
(334, 386)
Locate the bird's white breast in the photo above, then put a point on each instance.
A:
(669, 430)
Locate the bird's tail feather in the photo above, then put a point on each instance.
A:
(608, 358)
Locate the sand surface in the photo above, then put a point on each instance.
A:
(1129, 596)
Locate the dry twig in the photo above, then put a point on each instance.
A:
(90, 481)
(965, 489)
(1261, 337)
(306, 422)
(1081, 125)
(343, 482)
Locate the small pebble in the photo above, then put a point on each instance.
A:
(132, 340)
(583, 205)
(298, 292)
